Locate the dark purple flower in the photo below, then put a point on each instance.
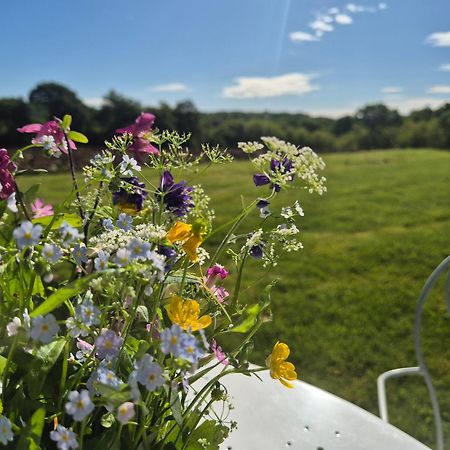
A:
(7, 182)
(260, 179)
(130, 200)
(283, 166)
(176, 196)
(257, 251)
(142, 126)
(262, 204)
(170, 254)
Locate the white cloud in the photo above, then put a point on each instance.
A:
(320, 25)
(392, 90)
(354, 8)
(94, 102)
(264, 87)
(406, 105)
(301, 36)
(441, 39)
(343, 19)
(326, 19)
(358, 8)
(382, 6)
(333, 11)
(445, 67)
(170, 87)
(439, 89)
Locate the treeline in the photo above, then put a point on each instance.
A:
(374, 126)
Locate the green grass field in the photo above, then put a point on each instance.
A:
(345, 304)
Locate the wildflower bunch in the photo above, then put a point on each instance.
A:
(115, 304)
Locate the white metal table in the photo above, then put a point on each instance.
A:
(271, 416)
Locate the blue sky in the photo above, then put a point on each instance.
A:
(321, 57)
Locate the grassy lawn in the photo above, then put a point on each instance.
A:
(345, 304)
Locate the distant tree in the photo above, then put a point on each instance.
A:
(117, 112)
(14, 113)
(377, 116)
(48, 100)
(342, 125)
(187, 119)
(165, 118)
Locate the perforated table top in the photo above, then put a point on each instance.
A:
(271, 416)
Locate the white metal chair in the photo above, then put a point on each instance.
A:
(422, 368)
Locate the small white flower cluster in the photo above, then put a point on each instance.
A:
(293, 162)
(202, 255)
(100, 166)
(112, 240)
(250, 147)
(254, 239)
(288, 212)
(201, 207)
(306, 165)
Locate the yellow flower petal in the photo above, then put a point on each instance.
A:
(179, 232)
(280, 351)
(280, 369)
(190, 247)
(185, 314)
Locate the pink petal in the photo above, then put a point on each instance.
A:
(72, 145)
(30, 128)
(38, 204)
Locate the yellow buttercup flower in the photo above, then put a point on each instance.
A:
(280, 369)
(189, 235)
(185, 313)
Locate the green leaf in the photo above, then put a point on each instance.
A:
(77, 137)
(107, 420)
(73, 220)
(253, 312)
(31, 193)
(111, 394)
(31, 434)
(63, 294)
(66, 122)
(213, 434)
(251, 316)
(48, 354)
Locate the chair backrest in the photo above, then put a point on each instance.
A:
(441, 269)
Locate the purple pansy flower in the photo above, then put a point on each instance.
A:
(142, 126)
(130, 202)
(176, 196)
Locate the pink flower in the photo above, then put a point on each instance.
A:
(140, 130)
(49, 135)
(220, 293)
(7, 182)
(41, 210)
(214, 273)
(220, 354)
(142, 124)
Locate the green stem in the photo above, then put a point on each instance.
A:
(74, 179)
(8, 363)
(62, 381)
(238, 282)
(183, 279)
